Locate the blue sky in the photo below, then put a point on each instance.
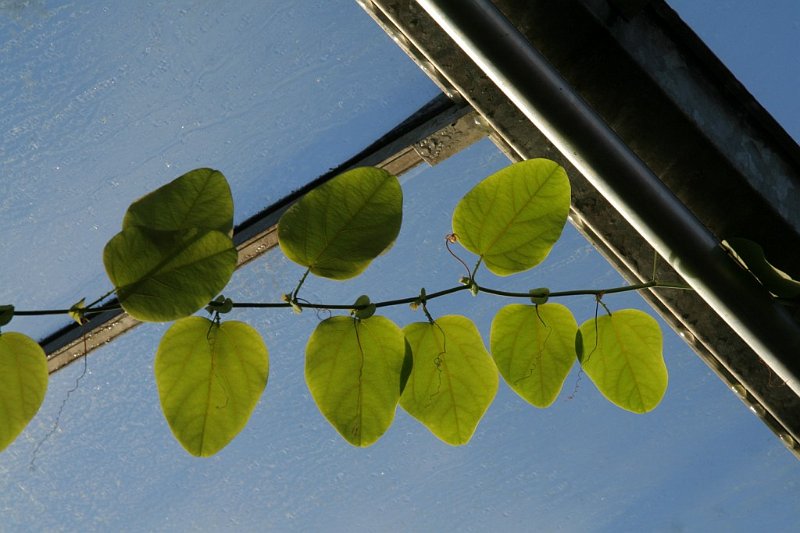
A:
(111, 100)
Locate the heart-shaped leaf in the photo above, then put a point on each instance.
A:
(337, 229)
(23, 384)
(621, 354)
(198, 199)
(512, 218)
(354, 370)
(453, 380)
(166, 275)
(533, 347)
(210, 377)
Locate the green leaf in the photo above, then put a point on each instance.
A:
(23, 384)
(533, 347)
(364, 312)
(209, 377)
(453, 380)
(512, 218)
(198, 199)
(774, 280)
(166, 275)
(337, 229)
(354, 370)
(6, 314)
(622, 356)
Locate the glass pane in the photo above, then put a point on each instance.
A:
(105, 101)
(699, 461)
(760, 43)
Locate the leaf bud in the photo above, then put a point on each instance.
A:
(539, 296)
(365, 309)
(76, 312)
(474, 289)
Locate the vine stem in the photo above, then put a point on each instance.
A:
(93, 311)
(398, 301)
(293, 297)
(588, 292)
(475, 270)
(97, 301)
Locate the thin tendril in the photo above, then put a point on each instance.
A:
(439, 359)
(52, 431)
(450, 239)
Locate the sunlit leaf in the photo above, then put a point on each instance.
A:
(774, 280)
(209, 377)
(512, 218)
(23, 384)
(354, 370)
(166, 275)
(453, 380)
(622, 356)
(338, 228)
(198, 199)
(534, 349)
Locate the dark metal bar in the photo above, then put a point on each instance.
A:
(528, 80)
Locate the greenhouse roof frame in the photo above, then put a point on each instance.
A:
(662, 91)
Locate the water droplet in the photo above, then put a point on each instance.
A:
(739, 390)
(427, 67)
(757, 409)
(687, 336)
(401, 40)
(576, 221)
(787, 440)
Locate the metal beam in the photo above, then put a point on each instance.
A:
(537, 89)
(660, 89)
